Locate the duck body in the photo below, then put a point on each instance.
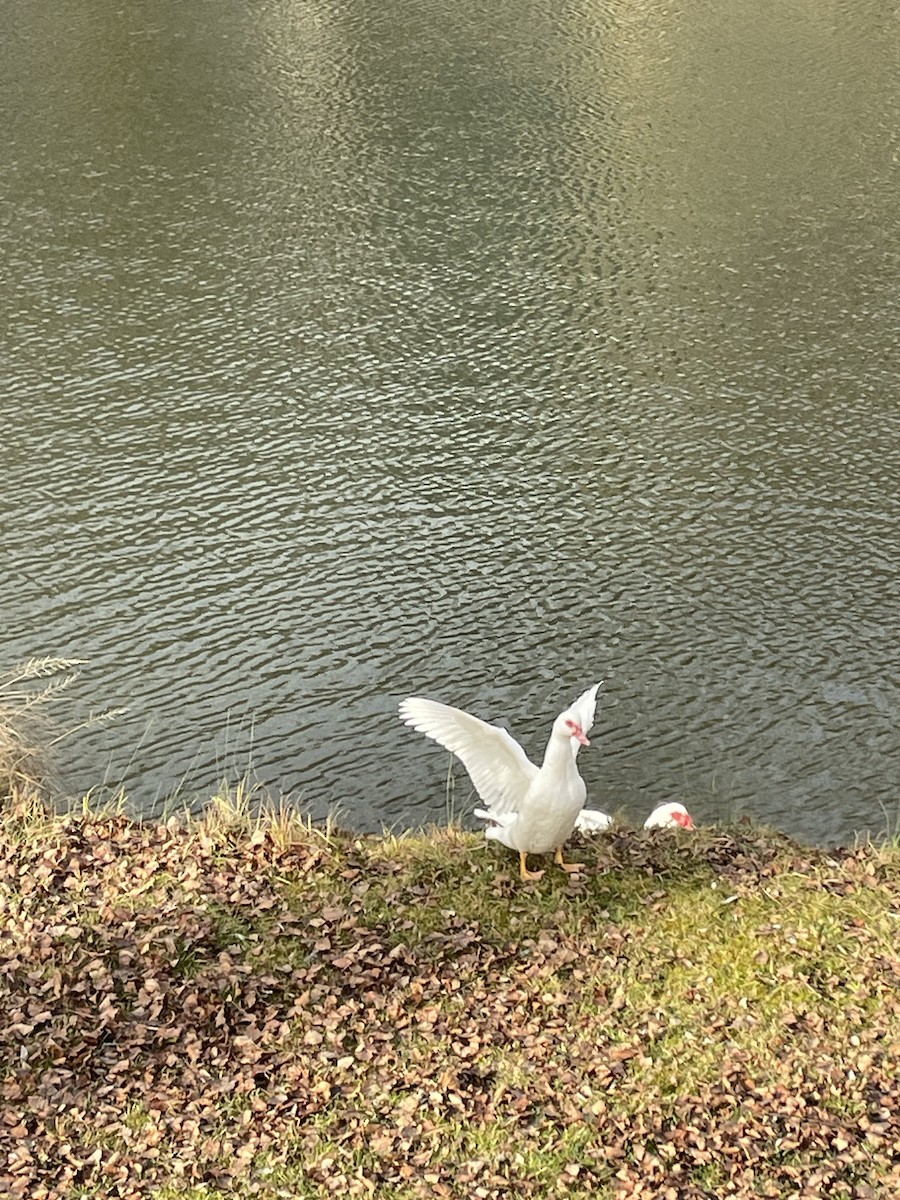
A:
(592, 820)
(530, 809)
(545, 814)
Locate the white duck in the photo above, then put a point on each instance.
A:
(532, 810)
(669, 816)
(666, 816)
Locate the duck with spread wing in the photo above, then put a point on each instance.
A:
(530, 809)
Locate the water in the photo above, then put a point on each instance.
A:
(357, 351)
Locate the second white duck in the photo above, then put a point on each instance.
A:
(665, 816)
(530, 809)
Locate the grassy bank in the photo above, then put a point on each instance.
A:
(216, 1009)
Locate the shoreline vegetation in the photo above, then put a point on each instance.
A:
(237, 1005)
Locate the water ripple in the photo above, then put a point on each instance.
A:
(528, 347)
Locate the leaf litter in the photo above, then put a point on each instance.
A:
(202, 1012)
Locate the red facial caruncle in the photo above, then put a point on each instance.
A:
(578, 732)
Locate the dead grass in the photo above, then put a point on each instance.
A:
(29, 693)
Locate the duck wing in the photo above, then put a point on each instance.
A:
(498, 766)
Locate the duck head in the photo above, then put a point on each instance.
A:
(568, 726)
(669, 816)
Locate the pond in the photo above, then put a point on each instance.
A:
(357, 351)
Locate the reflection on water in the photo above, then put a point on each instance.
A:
(365, 350)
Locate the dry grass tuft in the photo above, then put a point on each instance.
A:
(28, 692)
